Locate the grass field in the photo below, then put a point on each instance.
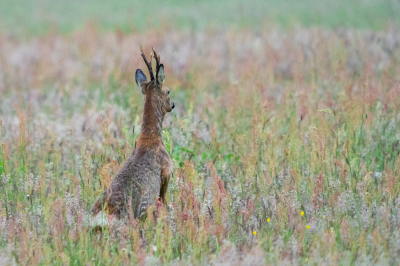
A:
(32, 17)
(285, 141)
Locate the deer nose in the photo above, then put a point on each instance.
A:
(173, 105)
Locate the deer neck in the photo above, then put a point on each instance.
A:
(152, 117)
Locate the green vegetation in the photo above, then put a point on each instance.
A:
(284, 138)
(285, 146)
(40, 16)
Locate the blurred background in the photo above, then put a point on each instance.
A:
(40, 16)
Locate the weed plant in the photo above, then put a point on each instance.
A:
(285, 147)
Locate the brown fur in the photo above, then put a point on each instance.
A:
(146, 173)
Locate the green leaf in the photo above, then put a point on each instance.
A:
(186, 150)
(229, 156)
(1, 168)
(384, 128)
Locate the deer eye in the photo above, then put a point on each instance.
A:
(167, 92)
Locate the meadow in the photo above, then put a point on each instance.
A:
(285, 144)
(37, 17)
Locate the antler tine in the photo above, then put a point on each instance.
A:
(157, 57)
(147, 63)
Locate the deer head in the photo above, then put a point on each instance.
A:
(157, 102)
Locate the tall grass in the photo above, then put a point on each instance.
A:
(285, 146)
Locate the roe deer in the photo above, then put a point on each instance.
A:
(146, 173)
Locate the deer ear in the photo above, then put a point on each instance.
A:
(140, 77)
(160, 74)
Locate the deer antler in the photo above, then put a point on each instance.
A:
(157, 57)
(148, 63)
